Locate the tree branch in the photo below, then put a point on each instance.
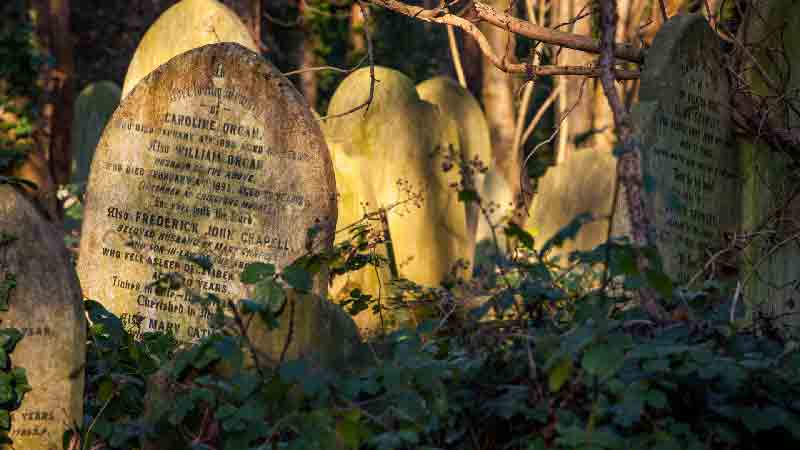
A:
(481, 12)
(629, 167)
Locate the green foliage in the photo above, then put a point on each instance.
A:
(13, 381)
(19, 67)
(549, 361)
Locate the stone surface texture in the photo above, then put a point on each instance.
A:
(399, 146)
(46, 306)
(186, 25)
(93, 109)
(213, 154)
(770, 269)
(689, 161)
(461, 108)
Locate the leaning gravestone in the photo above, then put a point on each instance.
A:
(45, 305)
(389, 155)
(214, 153)
(692, 187)
(689, 161)
(186, 25)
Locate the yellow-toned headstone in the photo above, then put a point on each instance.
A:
(460, 107)
(395, 154)
(186, 25)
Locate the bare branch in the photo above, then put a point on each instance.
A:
(481, 12)
(456, 55)
(371, 57)
(629, 168)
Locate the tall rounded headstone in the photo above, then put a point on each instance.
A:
(689, 162)
(213, 154)
(393, 157)
(93, 109)
(186, 25)
(459, 106)
(45, 305)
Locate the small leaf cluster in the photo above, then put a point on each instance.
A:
(13, 381)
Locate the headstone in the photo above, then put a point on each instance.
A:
(213, 154)
(184, 26)
(692, 183)
(93, 108)
(689, 162)
(584, 183)
(769, 209)
(459, 106)
(392, 153)
(45, 305)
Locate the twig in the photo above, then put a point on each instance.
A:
(290, 334)
(372, 80)
(663, 10)
(540, 113)
(456, 55)
(485, 13)
(331, 68)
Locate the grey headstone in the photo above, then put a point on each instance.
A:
(689, 161)
(690, 167)
(214, 153)
(93, 109)
(46, 306)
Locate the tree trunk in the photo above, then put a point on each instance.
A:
(498, 104)
(51, 165)
(576, 101)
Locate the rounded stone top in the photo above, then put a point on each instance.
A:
(186, 25)
(395, 98)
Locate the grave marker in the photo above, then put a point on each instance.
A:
(214, 153)
(45, 305)
(690, 166)
(689, 162)
(93, 108)
(184, 26)
(393, 153)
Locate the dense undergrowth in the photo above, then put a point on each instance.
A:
(549, 359)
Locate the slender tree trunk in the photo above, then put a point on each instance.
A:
(576, 102)
(498, 104)
(51, 163)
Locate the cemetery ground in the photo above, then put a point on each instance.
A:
(233, 260)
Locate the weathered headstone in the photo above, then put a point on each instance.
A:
(213, 154)
(689, 161)
(45, 305)
(584, 183)
(459, 106)
(93, 109)
(186, 25)
(690, 167)
(770, 209)
(393, 153)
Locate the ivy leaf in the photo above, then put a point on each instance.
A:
(560, 374)
(271, 294)
(514, 231)
(256, 272)
(468, 196)
(298, 278)
(603, 359)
